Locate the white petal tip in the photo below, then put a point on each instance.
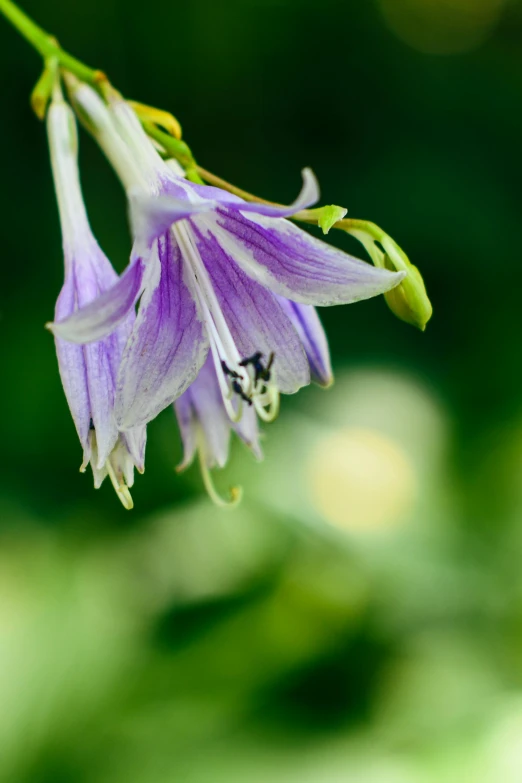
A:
(182, 467)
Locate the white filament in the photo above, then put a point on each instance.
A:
(222, 343)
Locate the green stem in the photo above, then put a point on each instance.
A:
(218, 182)
(45, 44)
(174, 147)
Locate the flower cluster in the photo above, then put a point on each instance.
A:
(225, 292)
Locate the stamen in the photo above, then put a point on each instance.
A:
(236, 386)
(247, 378)
(224, 351)
(273, 399)
(236, 493)
(226, 369)
(118, 482)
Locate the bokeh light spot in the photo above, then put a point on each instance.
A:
(442, 26)
(361, 480)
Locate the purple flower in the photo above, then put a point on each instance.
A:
(213, 272)
(88, 372)
(228, 290)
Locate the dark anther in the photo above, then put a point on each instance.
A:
(239, 390)
(261, 372)
(226, 369)
(91, 424)
(255, 359)
(266, 373)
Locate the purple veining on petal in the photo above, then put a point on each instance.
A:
(296, 265)
(97, 319)
(209, 413)
(187, 422)
(72, 369)
(253, 314)
(152, 216)
(167, 346)
(310, 329)
(93, 275)
(309, 195)
(201, 407)
(216, 194)
(93, 305)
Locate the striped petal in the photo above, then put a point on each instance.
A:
(294, 264)
(167, 346)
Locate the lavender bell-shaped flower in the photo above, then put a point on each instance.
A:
(88, 372)
(213, 272)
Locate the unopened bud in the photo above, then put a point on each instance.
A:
(409, 300)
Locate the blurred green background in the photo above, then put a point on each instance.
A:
(359, 618)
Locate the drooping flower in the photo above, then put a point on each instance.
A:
(88, 372)
(213, 271)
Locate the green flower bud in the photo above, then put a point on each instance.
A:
(409, 300)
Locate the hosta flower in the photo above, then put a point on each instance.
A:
(88, 372)
(212, 271)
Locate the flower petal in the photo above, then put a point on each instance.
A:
(253, 314)
(101, 316)
(201, 407)
(309, 195)
(296, 265)
(248, 430)
(101, 383)
(188, 427)
(73, 371)
(167, 345)
(152, 216)
(204, 422)
(310, 329)
(135, 440)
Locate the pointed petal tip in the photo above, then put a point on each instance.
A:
(324, 383)
(184, 464)
(256, 451)
(310, 194)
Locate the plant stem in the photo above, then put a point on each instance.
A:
(305, 215)
(177, 148)
(46, 45)
(213, 179)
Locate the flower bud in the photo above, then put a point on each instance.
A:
(409, 300)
